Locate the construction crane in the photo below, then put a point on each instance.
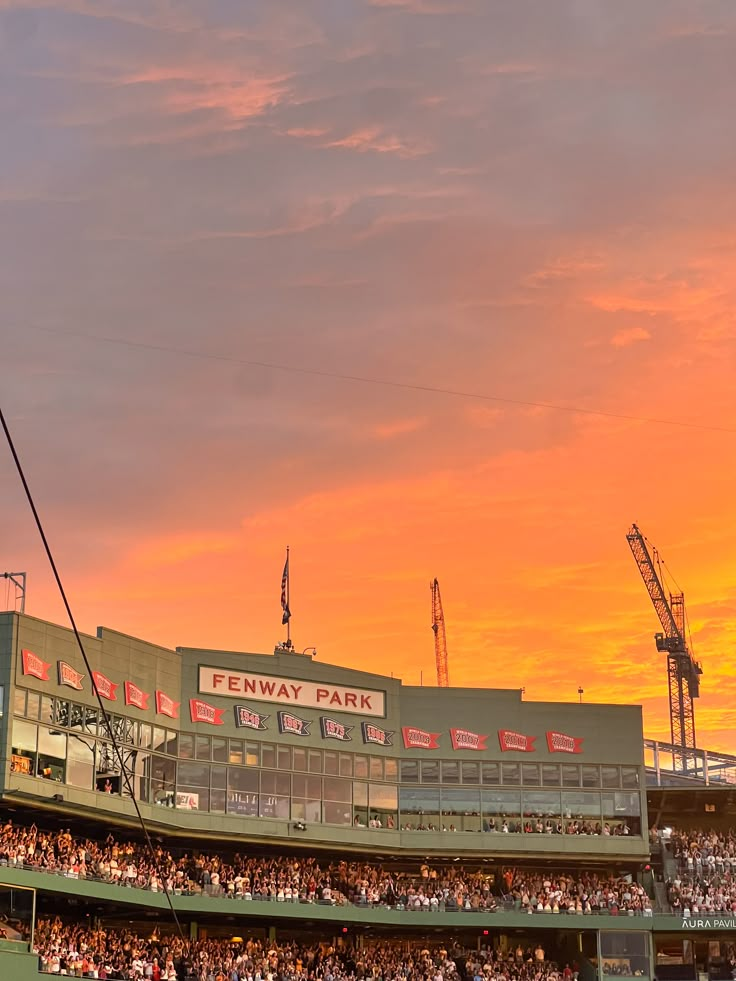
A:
(683, 671)
(440, 637)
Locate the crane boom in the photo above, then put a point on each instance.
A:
(683, 671)
(440, 637)
(654, 586)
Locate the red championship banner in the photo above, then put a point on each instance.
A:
(136, 696)
(558, 742)
(515, 742)
(104, 687)
(69, 677)
(462, 739)
(166, 705)
(35, 666)
(200, 711)
(419, 738)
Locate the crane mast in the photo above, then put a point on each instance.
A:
(683, 671)
(440, 637)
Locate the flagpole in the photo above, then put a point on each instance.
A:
(288, 598)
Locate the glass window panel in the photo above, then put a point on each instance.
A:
(417, 800)
(629, 776)
(306, 810)
(172, 740)
(192, 798)
(383, 797)
(241, 802)
(163, 781)
(51, 753)
(315, 760)
(376, 768)
(145, 735)
(470, 772)
(77, 718)
(579, 807)
(81, 748)
(300, 759)
(511, 773)
(186, 746)
(159, 739)
(203, 748)
(252, 754)
(192, 774)
(217, 801)
(336, 789)
(306, 786)
(139, 770)
(61, 712)
(80, 773)
(219, 749)
(550, 775)
(419, 809)
(390, 767)
(530, 774)
(346, 765)
(268, 755)
(570, 775)
(360, 794)
(33, 706)
(591, 776)
(47, 709)
(283, 756)
(242, 780)
(19, 701)
(236, 750)
(430, 771)
(25, 738)
(501, 810)
(276, 782)
(450, 771)
(335, 813)
(273, 807)
(610, 776)
(491, 773)
(332, 766)
(542, 812)
(360, 764)
(458, 803)
(410, 771)
(218, 778)
(625, 954)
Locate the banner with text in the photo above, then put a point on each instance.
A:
(515, 742)
(291, 691)
(462, 739)
(419, 738)
(558, 742)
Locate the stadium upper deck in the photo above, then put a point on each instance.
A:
(280, 747)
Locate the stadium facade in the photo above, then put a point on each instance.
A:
(287, 754)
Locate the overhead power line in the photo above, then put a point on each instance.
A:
(77, 636)
(383, 382)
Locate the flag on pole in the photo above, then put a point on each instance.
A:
(285, 592)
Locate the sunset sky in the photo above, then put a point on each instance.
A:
(529, 203)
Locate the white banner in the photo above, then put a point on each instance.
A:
(291, 691)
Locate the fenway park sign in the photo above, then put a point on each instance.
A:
(291, 691)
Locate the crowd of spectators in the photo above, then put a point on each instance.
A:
(585, 892)
(705, 881)
(527, 825)
(416, 886)
(76, 951)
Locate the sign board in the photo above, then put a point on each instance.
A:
(291, 691)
